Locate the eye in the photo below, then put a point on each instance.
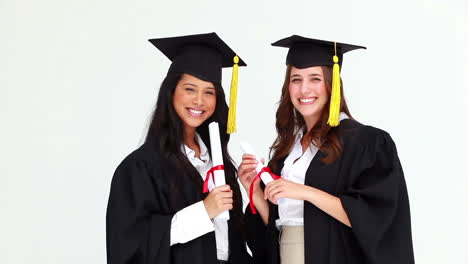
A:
(210, 92)
(189, 89)
(295, 80)
(315, 79)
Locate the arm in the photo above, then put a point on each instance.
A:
(136, 229)
(195, 220)
(326, 202)
(246, 174)
(184, 221)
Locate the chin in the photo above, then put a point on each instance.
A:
(309, 113)
(194, 123)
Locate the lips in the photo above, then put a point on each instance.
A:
(307, 100)
(195, 112)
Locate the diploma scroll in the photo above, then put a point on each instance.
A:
(264, 173)
(217, 158)
(265, 176)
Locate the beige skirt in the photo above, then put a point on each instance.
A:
(291, 242)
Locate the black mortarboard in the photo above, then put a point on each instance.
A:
(307, 52)
(202, 55)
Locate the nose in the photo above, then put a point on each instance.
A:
(305, 87)
(198, 99)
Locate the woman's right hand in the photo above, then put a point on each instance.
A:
(218, 200)
(247, 171)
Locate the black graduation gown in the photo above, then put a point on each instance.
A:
(139, 214)
(369, 180)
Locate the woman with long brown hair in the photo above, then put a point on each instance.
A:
(342, 195)
(158, 211)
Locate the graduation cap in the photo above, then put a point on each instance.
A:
(203, 56)
(306, 52)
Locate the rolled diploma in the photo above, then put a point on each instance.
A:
(217, 158)
(265, 176)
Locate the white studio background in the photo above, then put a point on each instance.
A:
(78, 81)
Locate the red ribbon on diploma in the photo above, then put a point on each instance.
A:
(251, 191)
(208, 174)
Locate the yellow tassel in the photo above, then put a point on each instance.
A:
(231, 125)
(335, 100)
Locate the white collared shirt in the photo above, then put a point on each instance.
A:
(291, 211)
(193, 221)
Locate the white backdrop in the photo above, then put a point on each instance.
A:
(78, 81)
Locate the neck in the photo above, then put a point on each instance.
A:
(189, 141)
(310, 121)
(189, 137)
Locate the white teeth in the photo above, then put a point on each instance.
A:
(307, 100)
(197, 112)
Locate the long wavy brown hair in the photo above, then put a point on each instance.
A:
(289, 121)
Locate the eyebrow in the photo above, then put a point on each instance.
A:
(194, 85)
(312, 74)
(315, 74)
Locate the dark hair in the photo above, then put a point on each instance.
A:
(324, 136)
(166, 130)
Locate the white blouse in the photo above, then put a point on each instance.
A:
(291, 211)
(193, 221)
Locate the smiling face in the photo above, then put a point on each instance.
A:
(194, 101)
(308, 93)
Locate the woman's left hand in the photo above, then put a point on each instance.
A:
(282, 188)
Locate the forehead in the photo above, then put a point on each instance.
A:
(307, 71)
(187, 78)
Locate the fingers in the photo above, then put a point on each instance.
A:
(273, 189)
(247, 167)
(222, 188)
(274, 194)
(274, 198)
(247, 171)
(222, 195)
(246, 176)
(218, 200)
(269, 187)
(222, 192)
(248, 157)
(225, 206)
(222, 202)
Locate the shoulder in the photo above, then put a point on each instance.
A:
(147, 152)
(359, 134)
(146, 157)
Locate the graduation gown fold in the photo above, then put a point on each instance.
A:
(140, 210)
(369, 181)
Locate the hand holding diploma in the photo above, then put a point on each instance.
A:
(265, 176)
(250, 171)
(217, 172)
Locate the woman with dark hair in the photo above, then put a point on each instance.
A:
(342, 196)
(157, 211)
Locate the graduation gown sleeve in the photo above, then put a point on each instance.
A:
(376, 201)
(263, 239)
(138, 230)
(256, 232)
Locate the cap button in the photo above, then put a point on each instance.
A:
(335, 59)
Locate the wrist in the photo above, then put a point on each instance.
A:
(259, 197)
(207, 210)
(308, 193)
